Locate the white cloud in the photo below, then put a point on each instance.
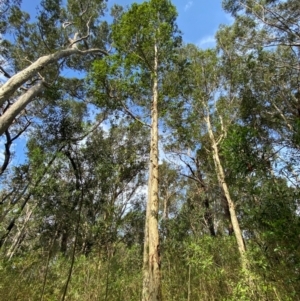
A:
(188, 5)
(208, 41)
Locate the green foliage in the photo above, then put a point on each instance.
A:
(141, 27)
(239, 150)
(93, 277)
(123, 81)
(84, 191)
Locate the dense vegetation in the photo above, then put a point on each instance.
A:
(93, 212)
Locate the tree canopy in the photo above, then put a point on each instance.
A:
(151, 169)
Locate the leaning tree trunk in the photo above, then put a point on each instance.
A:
(14, 110)
(16, 81)
(151, 281)
(9, 88)
(223, 184)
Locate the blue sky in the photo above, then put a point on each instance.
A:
(197, 19)
(200, 19)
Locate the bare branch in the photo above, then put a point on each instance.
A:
(66, 24)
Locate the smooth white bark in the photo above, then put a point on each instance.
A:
(16, 81)
(14, 110)
(222, 181)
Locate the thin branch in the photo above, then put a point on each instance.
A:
(6, 197)
(85, 10)
(75, 40)
(44, 42)
(66, 24)
(133, 116)
(79, 174)
(27, 198)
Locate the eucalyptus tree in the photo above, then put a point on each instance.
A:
(269, 32)
(263, 146)
(270, 23)
(208, 102)
(206, 111)
(267, 86)
(145, 39)
(56, 39)
(59, 126)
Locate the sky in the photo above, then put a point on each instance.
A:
(197, 19)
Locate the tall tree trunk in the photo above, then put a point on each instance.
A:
(151, 285)
(146, 276)
(227, 214)
(223, 184)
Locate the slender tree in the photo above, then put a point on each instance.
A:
(145, 39)
(208, 118)
(59, 36)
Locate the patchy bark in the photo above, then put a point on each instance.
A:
(152, 279)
